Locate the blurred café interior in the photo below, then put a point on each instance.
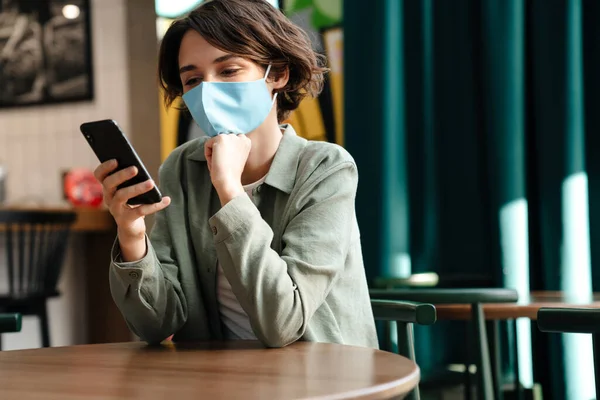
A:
(473, 124)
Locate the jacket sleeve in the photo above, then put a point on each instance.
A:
(280, 294)
(148, 291)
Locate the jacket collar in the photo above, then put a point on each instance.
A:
(282, 174)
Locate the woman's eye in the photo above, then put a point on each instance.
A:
(192, 81)
(229, 72)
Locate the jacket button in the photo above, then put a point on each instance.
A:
(134, 275)
(214, 230)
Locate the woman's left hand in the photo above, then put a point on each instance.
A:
(226, 156)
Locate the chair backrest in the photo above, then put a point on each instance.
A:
(404, 314)
(569, 320)
(35, 244)
(10, 323)
(574, 320)
(403, 311)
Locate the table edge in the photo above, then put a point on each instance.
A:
(374, 392)
(380, 391)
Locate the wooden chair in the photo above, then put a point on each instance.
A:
(574, 320)
(34, 245)
(404, 314)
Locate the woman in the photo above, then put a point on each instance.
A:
(257, 236)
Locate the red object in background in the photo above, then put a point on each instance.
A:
(82, 188)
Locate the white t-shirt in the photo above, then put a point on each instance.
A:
(233, 315)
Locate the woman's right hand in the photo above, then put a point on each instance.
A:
(130, 220)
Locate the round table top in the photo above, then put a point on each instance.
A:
(212, 370)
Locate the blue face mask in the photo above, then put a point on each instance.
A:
(230, 107)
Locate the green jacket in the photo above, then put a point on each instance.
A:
(293, 257)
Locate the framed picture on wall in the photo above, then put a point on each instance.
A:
(45, 52)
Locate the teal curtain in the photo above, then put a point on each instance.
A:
(474, 124)
(591, 45)
(378, 129)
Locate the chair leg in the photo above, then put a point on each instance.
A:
(44, 328)
(469, 360)
(406, 348)
(596, 341)
(485, 387)
(387, 336)
(406, 341)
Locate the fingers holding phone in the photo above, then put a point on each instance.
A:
(128, 190)
(112, 182)
(128, 218)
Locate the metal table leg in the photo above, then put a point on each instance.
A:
(497, 361)
(518, 388)
(485, 387)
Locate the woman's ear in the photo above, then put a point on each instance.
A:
(279, 79)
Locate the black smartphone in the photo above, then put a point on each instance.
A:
(108, 142)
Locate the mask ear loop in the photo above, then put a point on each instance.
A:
(267, 72)
(265, 78)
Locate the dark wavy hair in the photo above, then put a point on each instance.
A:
(252, 29)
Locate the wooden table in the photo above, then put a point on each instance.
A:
(217, 370)
(524, 309)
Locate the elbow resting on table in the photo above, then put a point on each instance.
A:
(278, 341)
(279, 336)
(149, 335)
